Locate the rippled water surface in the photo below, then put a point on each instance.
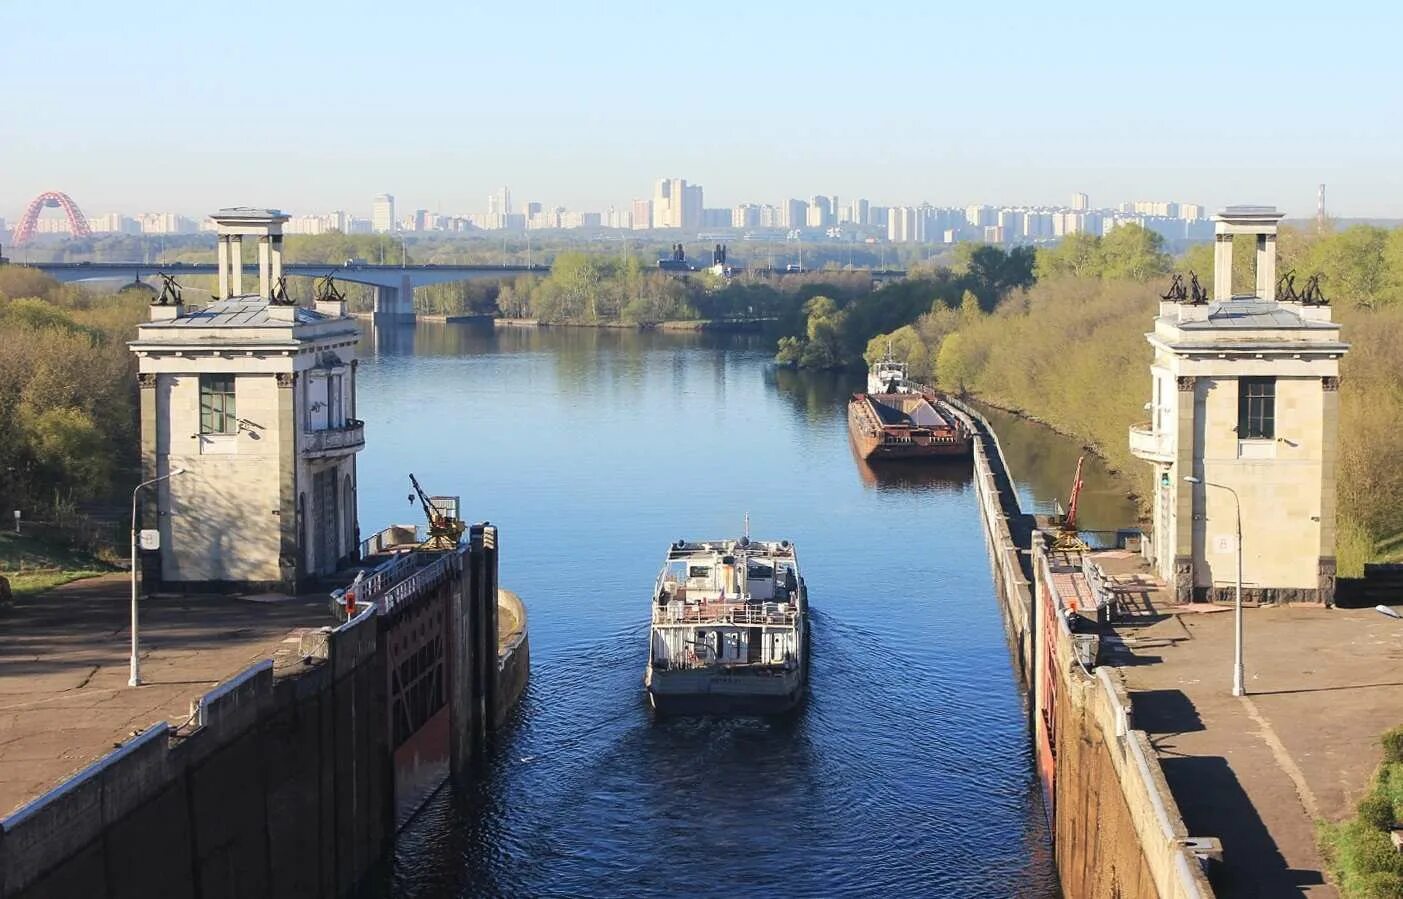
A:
(906, 774)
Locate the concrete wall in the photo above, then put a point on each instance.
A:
(1116, 830)
(513, 662)
(279, 786)
(1001, 517)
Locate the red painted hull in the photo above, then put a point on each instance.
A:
(904, 426)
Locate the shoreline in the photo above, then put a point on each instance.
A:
(718, 325)
(1116, 473)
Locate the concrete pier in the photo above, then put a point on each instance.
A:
(266, 753)
(1116, 828)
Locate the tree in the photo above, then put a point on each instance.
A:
(1078, 255)
(1133, 253)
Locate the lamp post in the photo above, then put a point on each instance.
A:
(1237, 685)
(135, 680)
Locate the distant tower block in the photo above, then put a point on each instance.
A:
(1320, 210)
(255, 399)
(1245, 395)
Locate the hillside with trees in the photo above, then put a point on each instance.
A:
(1070, 351)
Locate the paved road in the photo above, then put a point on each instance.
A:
(64, 699)
(1259, 771)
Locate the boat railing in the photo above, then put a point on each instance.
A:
(742, 613)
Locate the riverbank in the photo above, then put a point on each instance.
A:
(718, 325)
(1123, 478)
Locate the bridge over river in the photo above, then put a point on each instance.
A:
(394, 284)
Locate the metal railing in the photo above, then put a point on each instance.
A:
(1102, 590)
(393, 537)
(423, 578)
(753, 614)
(349, 436)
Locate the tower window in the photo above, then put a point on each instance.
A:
(217, 415)
(1256, 408)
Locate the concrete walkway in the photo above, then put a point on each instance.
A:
(1258, 772)
(64, 699)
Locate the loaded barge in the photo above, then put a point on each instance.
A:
(729, 631)
(899, 419)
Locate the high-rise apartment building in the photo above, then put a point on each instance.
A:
(1080, 202)
(796, 214)
(642, 215)
(861, 212)
(980, 216)
(677, 204)
(382, 214)
(691, 206)
(1010, 223)
(746, 215)
(902, 224)
(820, 212)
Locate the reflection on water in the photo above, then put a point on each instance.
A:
(907, 771)
(1043, 464)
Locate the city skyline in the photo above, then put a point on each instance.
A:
(1018, 105)
(678, 206)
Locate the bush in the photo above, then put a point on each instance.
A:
(1376, 810)
(1379, 885)
(1392, 741)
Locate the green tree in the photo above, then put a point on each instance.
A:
(1133, 253)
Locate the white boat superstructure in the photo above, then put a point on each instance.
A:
(729, 630)
(887, 375)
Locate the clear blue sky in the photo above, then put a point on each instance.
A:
(312, 106)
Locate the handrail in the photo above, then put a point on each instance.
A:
(725, 613)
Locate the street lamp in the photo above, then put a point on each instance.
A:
(1237, 687)
(135, 680)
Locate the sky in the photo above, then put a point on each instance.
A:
(311, 106)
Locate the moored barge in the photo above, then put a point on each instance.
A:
(900, 419)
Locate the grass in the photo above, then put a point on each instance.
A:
(33, 564)
(1358, 851)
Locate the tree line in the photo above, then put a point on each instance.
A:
(1070, 350)
(67, 393)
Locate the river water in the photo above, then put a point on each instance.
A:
(906, 773)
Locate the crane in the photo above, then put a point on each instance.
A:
(1067, 531)
(445, 527)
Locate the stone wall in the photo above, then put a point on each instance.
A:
(513, 661)
(277, 786)
(1115, 827)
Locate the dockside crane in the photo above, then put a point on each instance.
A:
(445, 527)
(1067, 537)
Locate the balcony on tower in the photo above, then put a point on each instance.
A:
(1151, 445)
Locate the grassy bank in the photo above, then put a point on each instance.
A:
(1360, 854)
(32, 564)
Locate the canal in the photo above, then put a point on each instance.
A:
(907, 772)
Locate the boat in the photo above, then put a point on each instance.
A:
(898, 418)
(730, 631)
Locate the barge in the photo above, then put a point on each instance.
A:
(900, 419)
(730, 630)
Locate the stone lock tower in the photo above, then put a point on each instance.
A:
(1244, 399)
(255, 399)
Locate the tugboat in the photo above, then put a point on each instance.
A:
(898, 418)
(730, 632)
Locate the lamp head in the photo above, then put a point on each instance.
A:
(176, 471)
(1193, 480)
